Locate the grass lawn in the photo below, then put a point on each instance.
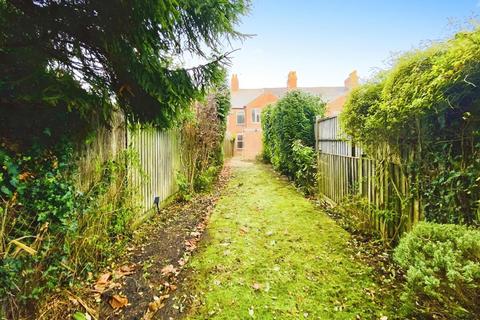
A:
(270, 254)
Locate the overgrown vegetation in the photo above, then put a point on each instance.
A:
(51, 233)
(443, 270)
(288, 136)
(202, 142)
(67, 69)
(305, 160)
(423, 115)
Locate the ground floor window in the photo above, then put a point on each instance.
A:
(239, 141)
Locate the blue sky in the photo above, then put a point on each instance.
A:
(325, 40)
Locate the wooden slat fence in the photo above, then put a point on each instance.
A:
(228, 147)
(159, 162)
(152, 174)
(344, 171)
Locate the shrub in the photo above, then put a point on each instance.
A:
(442, 264)
(424, 114)
(305, 161)
(267, 115)
(291, 119)
(202, 139)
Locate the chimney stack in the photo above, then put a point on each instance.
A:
(352, 81)
(234, 85)
(292, 80)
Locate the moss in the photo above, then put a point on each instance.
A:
(272, 254)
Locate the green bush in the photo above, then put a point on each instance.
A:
(267, 133)
(291, 119)
(424, 114)
(305, 161)
(442, 264)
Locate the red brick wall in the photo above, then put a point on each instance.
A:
(252, 132)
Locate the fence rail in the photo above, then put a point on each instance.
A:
(344, 172)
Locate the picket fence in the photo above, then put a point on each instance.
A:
(344, 171)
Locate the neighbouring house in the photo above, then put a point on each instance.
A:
(244, 118)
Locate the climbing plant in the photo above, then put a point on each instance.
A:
(425, 114)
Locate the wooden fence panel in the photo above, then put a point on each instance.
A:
(106, 145)
(159, 158)
(344, 171)
(228, 147)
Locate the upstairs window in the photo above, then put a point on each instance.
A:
(241, 117)
(256, 115)
(239, 141)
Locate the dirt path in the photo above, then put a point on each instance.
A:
(143, 283)
(270, 254)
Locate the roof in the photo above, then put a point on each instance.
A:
(242, 97)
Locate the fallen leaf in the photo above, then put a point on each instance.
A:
(168, 270)
(125, 270)
(157, 303)
(118, 301)
(102, 282)
(243, 230)
(191, 244)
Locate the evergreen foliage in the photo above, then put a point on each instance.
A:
(424, 113)
(443, 269)
(291, 119)
(87, 57)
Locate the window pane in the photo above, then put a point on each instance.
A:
(255, 115)
(240, 141)
(240, 117)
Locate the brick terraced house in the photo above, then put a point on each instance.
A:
(244, 119)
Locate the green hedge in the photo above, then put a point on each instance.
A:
(290, 119)
(424, 113)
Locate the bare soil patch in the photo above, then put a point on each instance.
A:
(153, 264)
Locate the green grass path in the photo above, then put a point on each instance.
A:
(270, 254)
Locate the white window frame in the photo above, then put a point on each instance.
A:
(240, 112)
(256, 115)
(240, 139)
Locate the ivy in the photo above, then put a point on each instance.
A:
(424, 114)
(64, 233)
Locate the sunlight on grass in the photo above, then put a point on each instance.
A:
(272, 255)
